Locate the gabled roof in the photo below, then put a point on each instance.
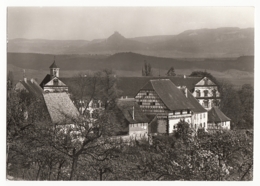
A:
(216, 115)
(171, 96)
(60, 108)
(32, 87)
(54, 65)
(45, 80)
(127, 109)
(131, 85)
(188, 82)
(195, 103)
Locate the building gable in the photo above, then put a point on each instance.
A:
(205, 82)
(55, 82)
(20, 86)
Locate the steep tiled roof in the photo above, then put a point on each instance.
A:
(130, 86)
(60, 108)
(127, 109)
(197, 106)
(188, 82)
(216, 115)
(171, 96)
(45, 80)
(32, 87)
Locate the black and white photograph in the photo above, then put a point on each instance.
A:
(130, 93)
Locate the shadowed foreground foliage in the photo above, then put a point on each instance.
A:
(39, 151)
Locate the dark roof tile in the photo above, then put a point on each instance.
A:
(216, 115)
(127, 109)
(54, 65)
(171, 96)
(131, 85)
(45, 80)
(197, 106)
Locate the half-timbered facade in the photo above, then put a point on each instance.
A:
(203, 89)
(160, 97)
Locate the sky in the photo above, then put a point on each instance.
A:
(88, 23)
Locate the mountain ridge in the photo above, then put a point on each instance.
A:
(219, 42)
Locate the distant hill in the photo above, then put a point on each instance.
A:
(238, 71)
(201, 43)
(125, 61)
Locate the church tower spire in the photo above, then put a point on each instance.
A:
(54, 70)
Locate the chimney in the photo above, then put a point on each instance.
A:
(32, 80)
(25, 79)
(184, 76)
(186, 92)
(133, 112)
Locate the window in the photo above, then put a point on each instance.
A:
(206, 81)
(206, 103)
(204, 115)
(177, 112)
(205, 93)
(55, 82)
(214, 93)
(204, 125)
(152, 103)
(147, 93)
(197, 93)
(215, 102)
(200, 116)
(140, 103)
(200, 125)
(54, 72)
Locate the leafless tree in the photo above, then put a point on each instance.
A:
(147, 69)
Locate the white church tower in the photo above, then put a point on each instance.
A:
(54, 70)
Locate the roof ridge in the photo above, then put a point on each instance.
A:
(159, 79)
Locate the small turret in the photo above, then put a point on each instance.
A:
(54, 70)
